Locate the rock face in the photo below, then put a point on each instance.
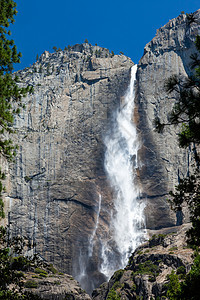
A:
(58, 176)
(59, 287)
(163, 162)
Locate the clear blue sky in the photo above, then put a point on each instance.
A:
(125, 25)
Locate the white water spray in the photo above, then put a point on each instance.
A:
(91, 240)
(121, 165)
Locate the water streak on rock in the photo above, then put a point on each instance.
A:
(91, 240)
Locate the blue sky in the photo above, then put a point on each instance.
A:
(117, 25)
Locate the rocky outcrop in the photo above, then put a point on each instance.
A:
(163, 162)
(54, 185)
(54, 286)
(146, 276)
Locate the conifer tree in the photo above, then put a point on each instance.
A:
(10, 102)
(9, 90)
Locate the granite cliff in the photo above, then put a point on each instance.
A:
(58, 176)
(55, 184)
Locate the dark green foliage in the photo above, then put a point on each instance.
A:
(27, 178)
(174, 287)
(156, 240)
(55, 48)
(112, 295)
(10, 103)
(187, 289)
(48, 67)
(148, 267)
(98, 53)
(191, 19)
(190, 287)
(118, 274)
(9, 90)
(20, 263)
(39, 270)
(86, 41)
(173, 248)
(112, 53)
(31, 284)
(188, 191)
(52, 269)
(11, 267)
(186, 110)
(181, 270)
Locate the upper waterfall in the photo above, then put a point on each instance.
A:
(121, 164)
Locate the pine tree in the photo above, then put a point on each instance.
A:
(10, 103)
(10, 93)
(186, 110)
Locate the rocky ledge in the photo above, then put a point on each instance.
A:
(54, 286)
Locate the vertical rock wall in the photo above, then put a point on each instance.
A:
(163, 162)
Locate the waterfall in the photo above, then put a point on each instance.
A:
(121, 165)
(112, 247)
(88, 274)
(91, 240)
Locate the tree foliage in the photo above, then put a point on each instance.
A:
(12, 265)
(10, 92)
(11, 277)
(188, 191)
(189, 287)
(186, 110)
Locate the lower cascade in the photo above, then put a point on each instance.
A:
(121, 164)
